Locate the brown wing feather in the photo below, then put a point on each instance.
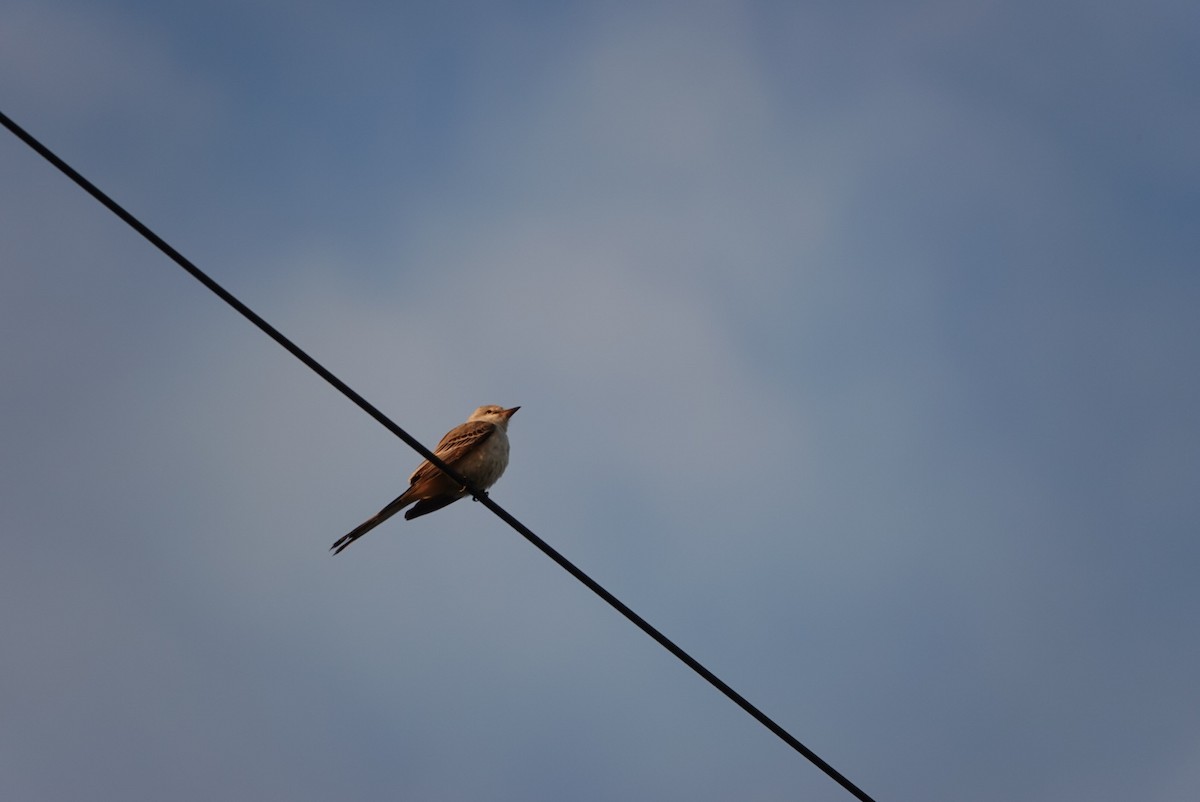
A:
(428, 505)
(458, 442)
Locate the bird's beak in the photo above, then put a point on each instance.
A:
(508, 413)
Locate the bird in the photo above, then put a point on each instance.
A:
(476, 450)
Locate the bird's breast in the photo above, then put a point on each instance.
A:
(487, 462)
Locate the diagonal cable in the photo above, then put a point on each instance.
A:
(412, 442)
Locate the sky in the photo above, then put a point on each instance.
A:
(856, 347)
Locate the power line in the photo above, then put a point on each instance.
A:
(478, 494)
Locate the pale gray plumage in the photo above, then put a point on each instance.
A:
(477, 450)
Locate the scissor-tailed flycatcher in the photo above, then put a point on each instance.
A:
(477, 450)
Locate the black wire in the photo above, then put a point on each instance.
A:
(478, 494)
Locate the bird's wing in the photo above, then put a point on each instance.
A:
(458, 442)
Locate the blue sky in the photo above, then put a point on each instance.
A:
(856, 347)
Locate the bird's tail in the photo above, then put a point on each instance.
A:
(401, 501)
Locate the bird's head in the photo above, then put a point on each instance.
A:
(493, 414)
